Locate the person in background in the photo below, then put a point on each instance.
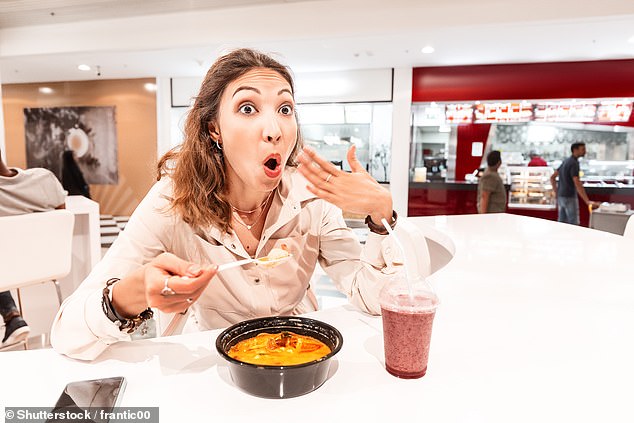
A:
(240, 186)
(491, 191)
(536, 160)
(72, 179)
(24, 191)
(569, 186)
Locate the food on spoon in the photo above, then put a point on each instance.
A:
(275, 256)
(279, 349)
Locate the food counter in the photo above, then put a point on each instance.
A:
(531, 188)
(449, 198)
(507, 345)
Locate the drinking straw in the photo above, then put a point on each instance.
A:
(405, 261)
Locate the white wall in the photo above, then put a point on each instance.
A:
(361, 85)
(2, 147)
(163, 113)
(401, 134)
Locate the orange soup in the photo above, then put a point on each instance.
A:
(279, 349)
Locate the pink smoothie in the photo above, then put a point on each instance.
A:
(406, 337)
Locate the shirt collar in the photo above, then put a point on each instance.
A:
(291, 193)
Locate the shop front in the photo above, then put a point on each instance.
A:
(532, 113)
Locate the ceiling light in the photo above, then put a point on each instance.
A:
(46, 90)
(83, 67)
(631, 39)
(150, 87)
(427, 50)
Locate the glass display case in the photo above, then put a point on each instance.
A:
(530, 188)
(331, 129)
(607, 173)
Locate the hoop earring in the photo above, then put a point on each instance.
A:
(218, 146)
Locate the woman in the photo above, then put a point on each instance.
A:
(72, 179)
(233, 190)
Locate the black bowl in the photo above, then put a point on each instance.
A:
(279, 381)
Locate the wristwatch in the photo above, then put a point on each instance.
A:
(125, 324)
(380, 229)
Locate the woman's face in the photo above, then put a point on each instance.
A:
(258, 130)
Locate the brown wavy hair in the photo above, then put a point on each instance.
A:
(197, 166)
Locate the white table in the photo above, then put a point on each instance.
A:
(536, 325)
(86, 240)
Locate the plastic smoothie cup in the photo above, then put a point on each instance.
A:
(407, 317)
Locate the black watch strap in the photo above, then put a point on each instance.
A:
(380, 229)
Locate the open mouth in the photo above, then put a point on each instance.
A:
(273, 161)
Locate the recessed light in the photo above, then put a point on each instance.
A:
(631, 39)
(46, 90)
(83, 67)
(150, 87)
(427, 50)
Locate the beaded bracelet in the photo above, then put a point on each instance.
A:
(125, 324)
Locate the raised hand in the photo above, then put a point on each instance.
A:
(355, 192)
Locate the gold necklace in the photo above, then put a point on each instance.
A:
(257, 219)
(251, 211)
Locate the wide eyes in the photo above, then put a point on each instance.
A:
(286, 110)
(249, 109)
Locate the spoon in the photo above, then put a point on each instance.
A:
(265, 261)
(275, 257)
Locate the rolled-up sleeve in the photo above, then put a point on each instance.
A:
(358, 271)
(81, 329)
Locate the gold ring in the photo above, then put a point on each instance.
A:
(328, 177)
(167, 291)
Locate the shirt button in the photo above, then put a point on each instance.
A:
(233, 246)
(388, 250)
(256, 280)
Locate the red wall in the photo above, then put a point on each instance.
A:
(524, 81)
(468, 134)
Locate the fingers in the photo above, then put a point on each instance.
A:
(354, 163)
(177, 266)
(173, 284)
(316, 165)
(186, 286)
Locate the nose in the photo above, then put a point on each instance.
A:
(272, 131)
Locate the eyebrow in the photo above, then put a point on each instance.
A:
(246, 87)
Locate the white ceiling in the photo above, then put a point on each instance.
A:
(46, 40)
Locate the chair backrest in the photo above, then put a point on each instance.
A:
(35, 247)
(629, 228)
(415, 245)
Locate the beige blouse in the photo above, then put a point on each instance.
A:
(312, 229)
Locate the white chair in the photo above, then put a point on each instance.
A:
(35, 248)
(629, 228)
(414, 242)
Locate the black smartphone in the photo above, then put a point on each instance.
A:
(93, 395)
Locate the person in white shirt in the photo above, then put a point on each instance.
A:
(239, 186)
(24, 191)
